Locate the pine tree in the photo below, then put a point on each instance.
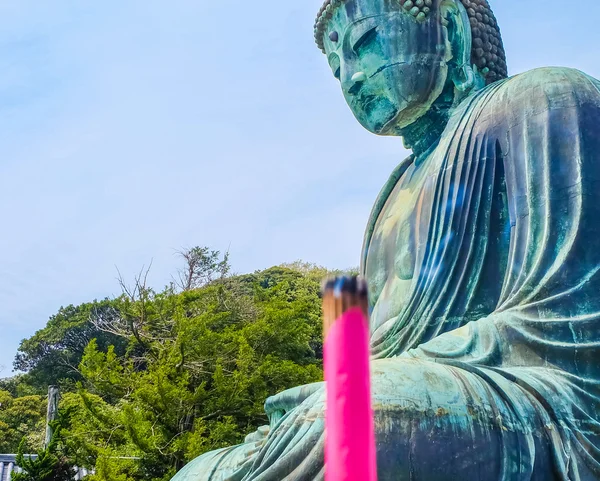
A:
(51, 463)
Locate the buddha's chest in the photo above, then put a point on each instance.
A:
(398, 235)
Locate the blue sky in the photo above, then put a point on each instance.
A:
(131, 129)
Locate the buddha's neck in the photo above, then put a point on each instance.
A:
(426, 131)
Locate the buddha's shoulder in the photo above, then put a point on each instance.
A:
(548, 86)
(556, 76)
(510, 101)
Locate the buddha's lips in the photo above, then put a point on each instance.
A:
(366, 101)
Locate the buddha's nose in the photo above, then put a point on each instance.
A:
(357, 81)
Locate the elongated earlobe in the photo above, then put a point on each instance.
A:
(456, 22)
(463, 77)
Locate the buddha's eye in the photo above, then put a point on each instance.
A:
(365, 40)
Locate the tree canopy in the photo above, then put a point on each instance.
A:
(152, 379)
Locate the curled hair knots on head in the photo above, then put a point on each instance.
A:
(487, 51)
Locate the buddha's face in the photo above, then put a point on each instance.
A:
(390, 66)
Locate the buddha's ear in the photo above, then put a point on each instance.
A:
(458, 40)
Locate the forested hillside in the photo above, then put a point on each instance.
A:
(154, 378)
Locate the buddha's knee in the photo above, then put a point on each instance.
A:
(435, 421)
(230, 464)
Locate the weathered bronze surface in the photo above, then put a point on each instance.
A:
(482, 255)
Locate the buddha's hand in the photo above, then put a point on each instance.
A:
(280, 404)
(254, 442)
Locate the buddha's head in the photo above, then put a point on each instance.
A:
(394, 58)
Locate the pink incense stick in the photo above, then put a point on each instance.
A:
(349, 429)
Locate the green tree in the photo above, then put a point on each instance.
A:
(153, 379)
(21, 418)
(50, 463)
(202, 266)
(211, 357)
(52, 355)
(18, 386)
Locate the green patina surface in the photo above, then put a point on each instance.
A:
(482, 256)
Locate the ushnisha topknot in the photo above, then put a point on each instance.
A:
(487, 51)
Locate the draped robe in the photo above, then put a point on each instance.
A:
(488, 367)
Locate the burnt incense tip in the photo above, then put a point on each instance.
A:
(341, 294)
(327, 285)
(344, 285)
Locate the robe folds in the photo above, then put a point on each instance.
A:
(489, 368)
